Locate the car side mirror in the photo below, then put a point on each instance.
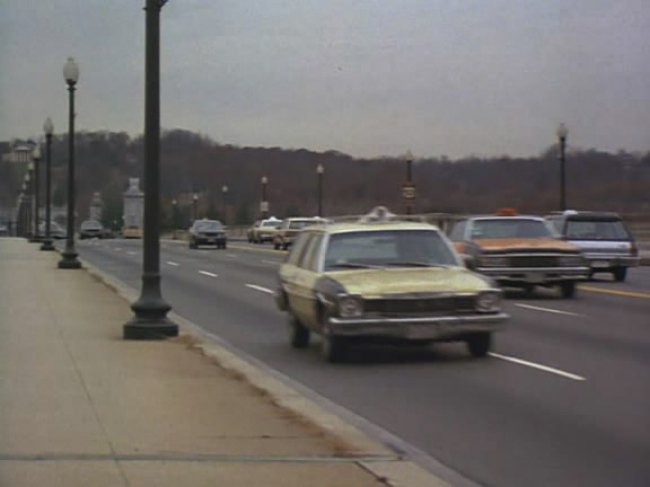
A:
(469, 261)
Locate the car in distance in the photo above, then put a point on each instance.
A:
(263, 230)
(132, 231)
(384, 281)
(92, 229)
(289, 228)
(519, 251)
(207, 232)
(606, 243)
(56, 231)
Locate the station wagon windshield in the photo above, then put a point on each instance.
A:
(399, 248)
(596, 230)
(510, 228)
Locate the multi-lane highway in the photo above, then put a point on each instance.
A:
(563, 400)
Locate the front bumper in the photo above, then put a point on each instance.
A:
(535, 275)
(420, 328)
(609, 261)
(203, 240)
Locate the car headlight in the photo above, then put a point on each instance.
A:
(350, 306)
(570, 260)
(494, 261)
(488, 301)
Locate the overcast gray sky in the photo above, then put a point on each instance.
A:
(365, 77)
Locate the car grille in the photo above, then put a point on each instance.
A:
(210, 234)
(534, 261)
(419, 306)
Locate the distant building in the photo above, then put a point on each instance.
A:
(133, 205)
(20, 153)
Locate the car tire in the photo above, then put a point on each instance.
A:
(298, 333)
(276, 246)
(224, 245)
(479, 344)
(285, 247)
(568, 289)
(620, 273)
(334, 349)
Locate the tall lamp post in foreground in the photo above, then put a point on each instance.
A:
(408, 188)
(36, 158)
(264, 205)
(27, 189)
(562, 133)
(150, 321)
(69, 257)
(319, 172)
(48, 128)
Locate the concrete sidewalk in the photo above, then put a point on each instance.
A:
(79, 406)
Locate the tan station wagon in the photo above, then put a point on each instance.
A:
(384, 281)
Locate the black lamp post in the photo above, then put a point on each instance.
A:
(408, 188)
(48, 128)
(264, 206)
(224, 193)
(150, 321)
(562, 133)
(69, 257)
(195, 201)
(319, 172)
(36, 158)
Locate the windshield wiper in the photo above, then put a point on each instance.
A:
(352, 265)
(414, 263)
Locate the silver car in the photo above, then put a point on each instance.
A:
(603, 237)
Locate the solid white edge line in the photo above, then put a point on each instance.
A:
(547, 310)
(545, 368)
(169, 262)
(271, 262)
(260, 288)
(206, 273)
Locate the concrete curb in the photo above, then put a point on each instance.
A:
(387, 466)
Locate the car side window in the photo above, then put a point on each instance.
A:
(309, 260)
(458, 231)
(298, 248)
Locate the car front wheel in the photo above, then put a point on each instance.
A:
(568, 289)
(479, 344)
(620, 273)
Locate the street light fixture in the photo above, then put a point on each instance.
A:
(48, 128)
(319, 171)
(69, 257)
(264, 205)
(224, 192)
(150, 321)
(36, 157)
(562, 133)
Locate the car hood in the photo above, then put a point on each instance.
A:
(498, 244)
(373, 283)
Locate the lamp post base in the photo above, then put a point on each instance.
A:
(47, 244)
(69, 261)
(35, 239)
(149, 329)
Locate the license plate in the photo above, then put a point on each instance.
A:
(417, 332)
(599, 264)
(535, 278)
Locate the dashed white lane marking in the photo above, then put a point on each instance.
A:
(232, 256)
(130, 252)
(545, 368)
(206, 273)
(260, 288)
(271, 262)
(117, 249)
(174, 264)
(547, 310)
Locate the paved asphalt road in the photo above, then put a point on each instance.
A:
(563, 401)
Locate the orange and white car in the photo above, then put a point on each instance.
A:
(290, 228)
(519, 251)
